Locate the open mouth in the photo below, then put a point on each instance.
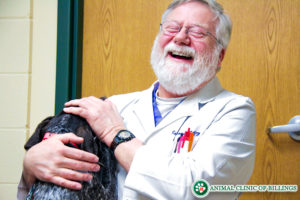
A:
(180, 55)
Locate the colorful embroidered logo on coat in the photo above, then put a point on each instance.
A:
(196, 133)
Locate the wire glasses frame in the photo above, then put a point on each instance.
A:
(195, 31)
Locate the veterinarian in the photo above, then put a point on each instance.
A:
(184, 128)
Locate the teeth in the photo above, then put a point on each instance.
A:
(183, 54)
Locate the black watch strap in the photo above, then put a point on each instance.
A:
(122, 136)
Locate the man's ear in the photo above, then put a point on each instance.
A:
(221, 57)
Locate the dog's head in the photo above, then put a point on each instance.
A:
(66, 123)
(104, 181)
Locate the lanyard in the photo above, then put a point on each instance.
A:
(157, 115)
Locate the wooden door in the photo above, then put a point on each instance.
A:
(262, 62)
(117, 42)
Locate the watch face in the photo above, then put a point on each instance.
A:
(124, 134)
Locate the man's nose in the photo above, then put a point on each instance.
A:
(182, 37)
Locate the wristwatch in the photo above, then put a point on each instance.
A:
(122, 136)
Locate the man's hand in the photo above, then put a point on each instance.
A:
(102, 116)
(52, 161)
(106, 121)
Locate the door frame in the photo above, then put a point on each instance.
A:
(69, 52)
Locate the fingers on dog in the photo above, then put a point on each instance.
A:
(76, 154)
(73, 102)
(66, 183)
(76, 111)
(87, 159)
(83, 102)
(70, 137)
(74, 175)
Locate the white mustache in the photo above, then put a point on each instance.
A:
(179, 50)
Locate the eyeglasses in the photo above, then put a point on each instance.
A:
(195, 31)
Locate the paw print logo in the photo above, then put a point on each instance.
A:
(200, 188)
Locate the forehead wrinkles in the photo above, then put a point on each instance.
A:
(198, 13)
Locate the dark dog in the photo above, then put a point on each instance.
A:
(102, 186)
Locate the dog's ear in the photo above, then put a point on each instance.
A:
(38, 134)
(103, 98)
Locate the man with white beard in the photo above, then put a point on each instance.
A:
(184, 128)
(184, 78)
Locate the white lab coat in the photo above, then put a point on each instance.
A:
(223, 153)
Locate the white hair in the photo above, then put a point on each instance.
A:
(224, 25)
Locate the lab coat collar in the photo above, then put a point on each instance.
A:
(208, 92)
(191, 105)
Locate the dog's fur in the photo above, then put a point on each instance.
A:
(102, 186)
